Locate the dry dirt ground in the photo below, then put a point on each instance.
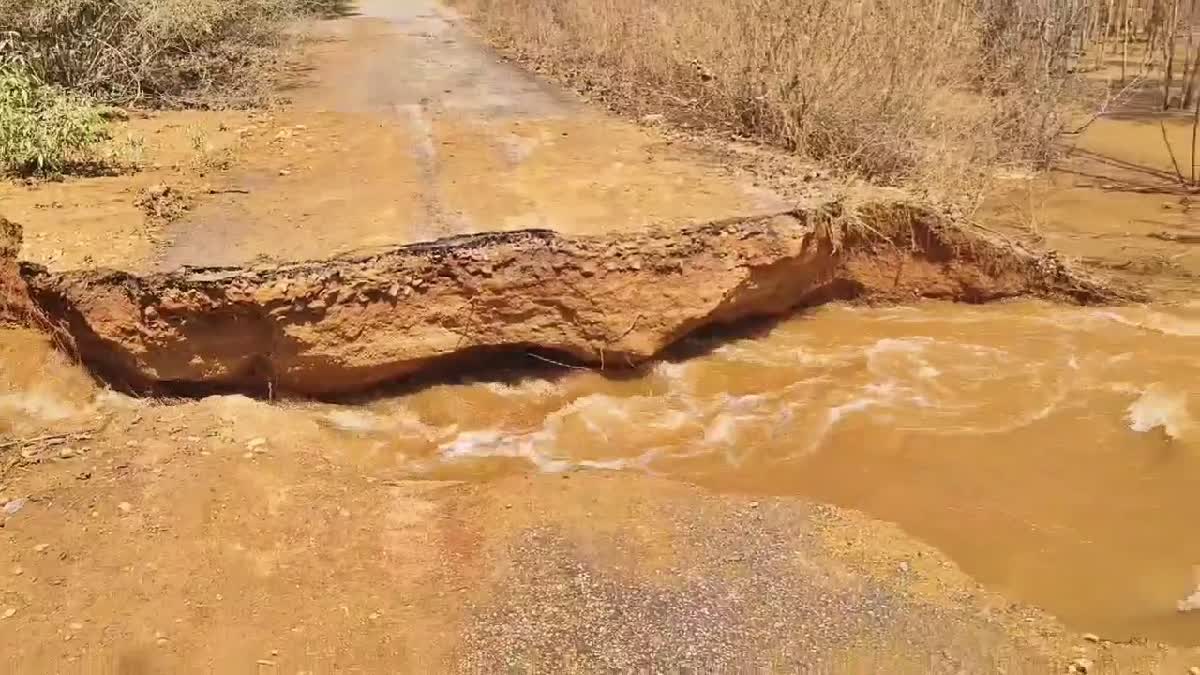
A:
(229, 535)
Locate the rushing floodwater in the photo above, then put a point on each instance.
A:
(1053, 452)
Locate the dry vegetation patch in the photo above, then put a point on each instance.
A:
(62, 60)
(932, 93)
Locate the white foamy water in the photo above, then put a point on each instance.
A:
(1062, 434)
(813, 384)
(1160, 408)
(1159, 322)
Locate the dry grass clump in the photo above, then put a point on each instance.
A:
(153, 52)
(923, 92)
(62, 60)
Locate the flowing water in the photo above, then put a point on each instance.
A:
(1053, 452)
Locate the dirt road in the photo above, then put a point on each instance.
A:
(407, 129)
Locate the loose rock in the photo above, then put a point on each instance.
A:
(12, 507)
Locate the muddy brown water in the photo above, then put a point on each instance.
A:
(1053, 452)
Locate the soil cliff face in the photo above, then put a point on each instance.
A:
(351, 323)
(16, 307)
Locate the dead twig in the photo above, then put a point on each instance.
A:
(1171, 151)
(556, 363)
(1177, 238)
(1108, 102)
(48, 439)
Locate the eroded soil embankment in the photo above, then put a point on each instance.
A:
(350, 323)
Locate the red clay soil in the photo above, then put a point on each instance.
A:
(347, 324)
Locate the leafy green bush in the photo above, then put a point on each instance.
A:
(43, 129)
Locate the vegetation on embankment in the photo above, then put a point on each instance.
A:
(929, 93)
(61, 60)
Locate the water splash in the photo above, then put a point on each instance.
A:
(1158, 407)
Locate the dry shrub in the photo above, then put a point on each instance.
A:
(163, 52)
(925, 92)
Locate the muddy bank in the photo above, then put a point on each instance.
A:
(611, 301)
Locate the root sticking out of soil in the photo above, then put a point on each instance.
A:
(612, 301)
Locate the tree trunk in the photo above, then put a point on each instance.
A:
(1169, 54)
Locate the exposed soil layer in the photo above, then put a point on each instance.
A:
(351, 323)
(16, 307)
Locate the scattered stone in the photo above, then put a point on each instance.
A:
(11, 508)
(8, 613)
(372, 616)
(18, 571)
(124, 507)
(256, 443)
(248, 455)
(76, 626)
(284, 172)
(1091, 637)
(1194, 670)
(904, 567)
(66, 453)
(754, 505)
(265, 662)
(41, 548)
